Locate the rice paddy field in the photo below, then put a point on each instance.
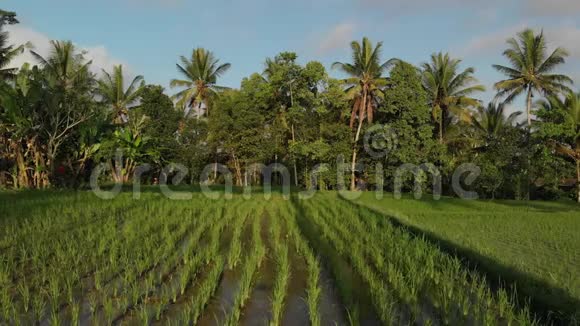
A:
(69, 258)
(534, 246)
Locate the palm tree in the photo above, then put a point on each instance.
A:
(66, 74)
(570, 109)
(7, 54)
(530, 69)
(491, 121)
(449, 89)
(111, 88)
(364, 86)
(201, 73)
(64, 66)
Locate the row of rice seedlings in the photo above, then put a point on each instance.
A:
(405, 284)
(402, 298)
(34, 254)
(115, 297)
(350, 247)
(49, 279)
(251, 265)
(235, 252)
(344, 279)
(412, 273)
(144, 257)
(102, 246)
(209, 285)
(175, 273)
(168, 292)
(313, 289)
(282, 278)
(204, 292)
(22, 223)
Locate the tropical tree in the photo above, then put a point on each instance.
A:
(561, 125)
(200, 73)
(531, 70)
(491, 121)
(65, 67)
(8, 17)
(20, 119)
(7, 54)
(69, 103)
(449, 90)
(127, 148)
(364, 86)
(113, 93)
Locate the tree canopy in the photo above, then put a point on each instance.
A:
(59, 121)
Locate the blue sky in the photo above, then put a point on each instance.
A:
(148, 36)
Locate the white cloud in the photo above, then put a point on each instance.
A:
(158, 3)
(489, 43)
(338, 37)
(397, 7)
(524, 8)
(20, 34)
(553, 7)
(565, 36)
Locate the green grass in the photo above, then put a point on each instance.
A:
(69, 257)
(535, 245)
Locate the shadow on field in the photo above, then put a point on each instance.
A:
(553, 305)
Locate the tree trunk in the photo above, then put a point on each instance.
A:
(529, 107)
(22, 172)
(215, 168)
(529, 133)
(354, 148)
(441, 126)
(238, 169)
(295, 168)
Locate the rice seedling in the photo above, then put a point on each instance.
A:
(75, 312)
(282, 272)
(162, 261)
(251, 265)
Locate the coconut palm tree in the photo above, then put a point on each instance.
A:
(7, 54)
(65, 66)
(8, 17)
(449, 89)
(66, 75)
(364, 86)
(570, 110)
(113, 93)
(200, 73)
(530, 70)
(489, 122)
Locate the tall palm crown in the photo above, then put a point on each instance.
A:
(449, 89)
(112, 89)
(7, 54)
(492, 120)
(366, 81)
(530, 69)
(200, 73)
(64, 66)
